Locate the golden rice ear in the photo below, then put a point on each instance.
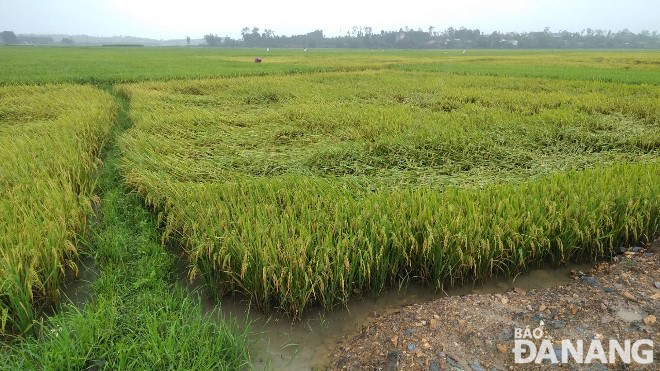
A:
(192, 274)
(70, 248)
(73, 267)
(4, 316)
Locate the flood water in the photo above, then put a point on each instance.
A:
(280, 344)
(76, 290)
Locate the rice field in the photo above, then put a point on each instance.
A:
(309, 189)
(50, 137)
(302, 181)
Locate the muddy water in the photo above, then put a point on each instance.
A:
(280, 344)
(77, 290)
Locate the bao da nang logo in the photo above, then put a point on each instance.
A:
(525, 349)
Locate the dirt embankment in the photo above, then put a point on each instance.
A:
(615, 300)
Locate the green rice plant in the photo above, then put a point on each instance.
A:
(307, 189)
(49, 139)
(92, 65)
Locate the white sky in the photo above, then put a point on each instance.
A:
(176, 19)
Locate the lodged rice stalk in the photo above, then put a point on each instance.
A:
(305, 190)
(49, 139)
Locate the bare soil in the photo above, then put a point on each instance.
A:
(613, 300)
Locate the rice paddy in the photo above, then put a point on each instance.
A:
(50, 137)
(306, 180)
(308, 189)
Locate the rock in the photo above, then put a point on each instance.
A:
(453, 362)
(392, 361)
(434, 323)
(558, 350)
(410, 331)
(608, 290)
(412, 347)
(650, 319)
(502, 348)
(506, 334)
(574, 309)
(622, 249)
(657, 285)
(540, 317)
(655, 246)
(636, 249)
(476, 366)
(505, 301)
(395, 340)
(434, 366)
(629, 296)
(557, 324)
(599, 367)
(591, 281)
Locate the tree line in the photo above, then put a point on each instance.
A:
(407, 38)
(450, 38)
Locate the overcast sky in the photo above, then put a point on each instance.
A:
(176, 19)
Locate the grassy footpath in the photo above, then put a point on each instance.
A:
(138, 318)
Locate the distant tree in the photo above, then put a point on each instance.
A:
(188, 40)
(8, 37)
(212, 40)
(451, 38)
(67, 41)
(245, 31)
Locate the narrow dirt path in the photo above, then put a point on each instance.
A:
(136, 317)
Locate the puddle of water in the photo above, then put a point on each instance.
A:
(279, 344)
(77, 290)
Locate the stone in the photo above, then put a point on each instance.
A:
(392, 361)
(557, 324)
(629, 296)
(608, 290)
(434, 366)
(655, 246)
(591, 281)
(476, 366)
(650, 319)
(412, 347)
(506, 334)
(453, 362)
